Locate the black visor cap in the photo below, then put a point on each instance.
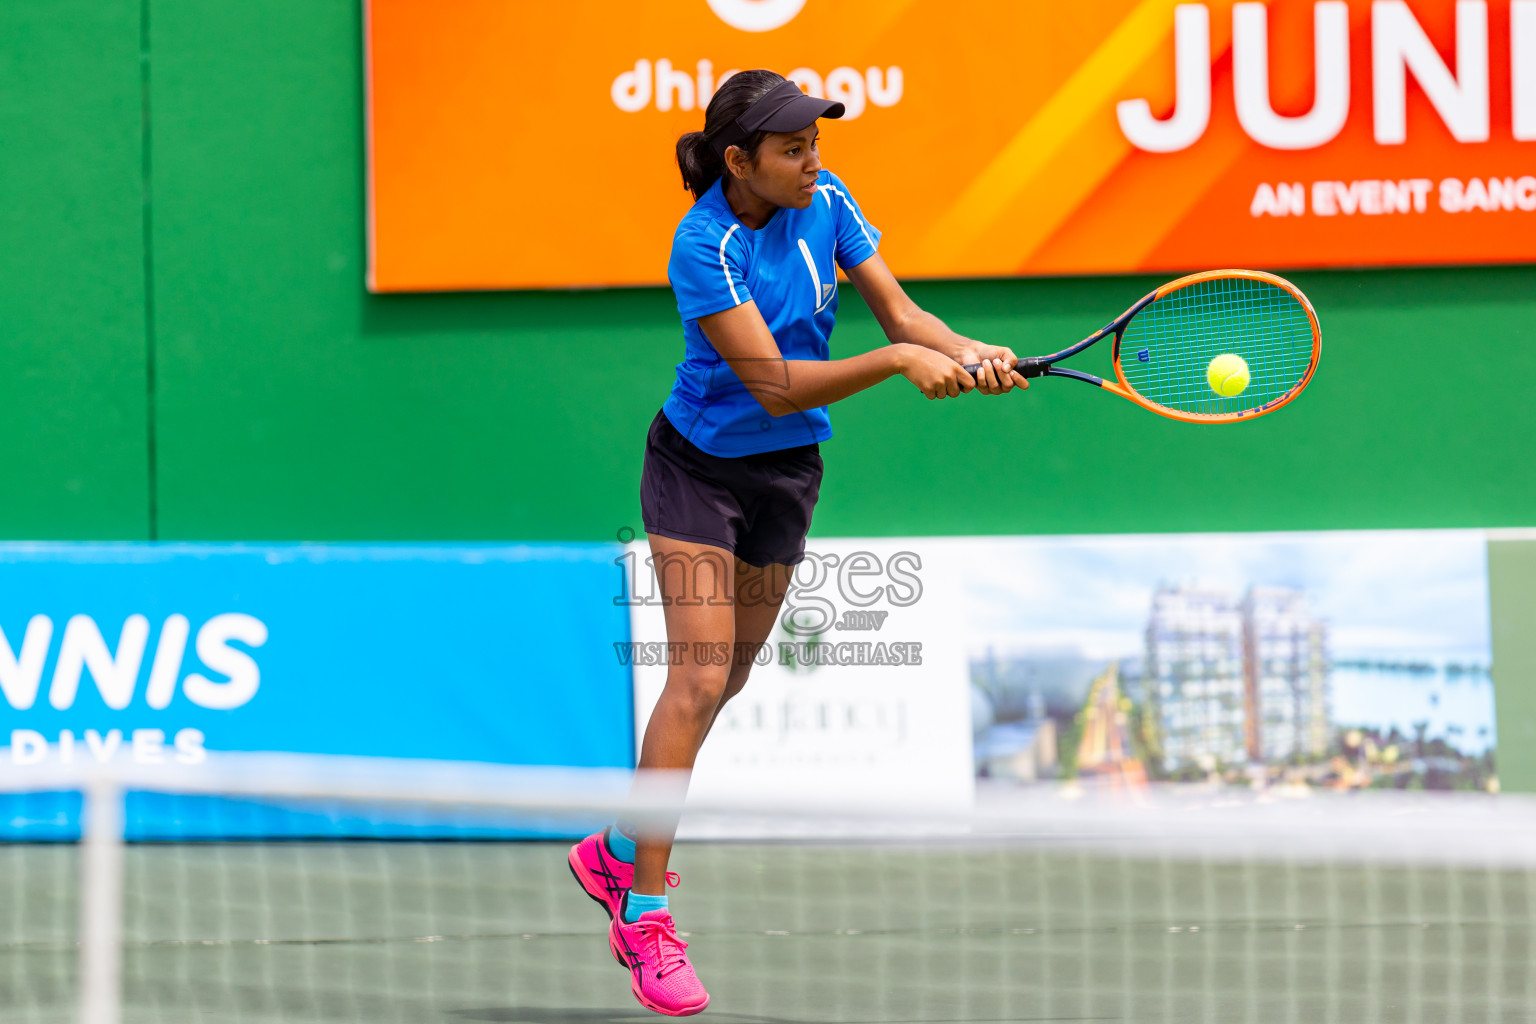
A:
(784, 108)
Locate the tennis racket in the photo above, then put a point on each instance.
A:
(1172, 350)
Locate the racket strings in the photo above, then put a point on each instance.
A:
(1167, 348)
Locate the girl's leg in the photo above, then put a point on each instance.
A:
(760, 594)
(697, 584)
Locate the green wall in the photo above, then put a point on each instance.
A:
(73, 360)
(262, 394)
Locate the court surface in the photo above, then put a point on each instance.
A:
(898, 934)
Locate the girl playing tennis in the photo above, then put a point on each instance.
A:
(732, 467)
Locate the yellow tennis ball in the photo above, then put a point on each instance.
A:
(1228, 375)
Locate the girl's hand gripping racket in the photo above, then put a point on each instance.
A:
(1215, 347)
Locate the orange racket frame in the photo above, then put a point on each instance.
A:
(1044, 366)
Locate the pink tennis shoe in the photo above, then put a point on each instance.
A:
(603, 876)
(660, 975)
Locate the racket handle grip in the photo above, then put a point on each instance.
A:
(1026, 367)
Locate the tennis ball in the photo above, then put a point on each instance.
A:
(1228, 375)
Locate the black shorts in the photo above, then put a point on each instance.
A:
(758, 506)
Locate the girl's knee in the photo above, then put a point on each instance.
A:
(700, 689)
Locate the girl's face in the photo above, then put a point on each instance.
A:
(784, 171)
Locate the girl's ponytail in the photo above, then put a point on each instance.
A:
(700, 164)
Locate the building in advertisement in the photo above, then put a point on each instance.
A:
(1194, 679)
(1232, 680)
(1285, 668)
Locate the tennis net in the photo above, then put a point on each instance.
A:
(411, 892)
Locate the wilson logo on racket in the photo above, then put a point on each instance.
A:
(1216, 347)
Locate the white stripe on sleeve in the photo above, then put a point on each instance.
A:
(726, 267)
(853, 210)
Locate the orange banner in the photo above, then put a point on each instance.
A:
(514, 145)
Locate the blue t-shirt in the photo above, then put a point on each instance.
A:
(789, 268)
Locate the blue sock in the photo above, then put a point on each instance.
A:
(636, 904)
(622, 846)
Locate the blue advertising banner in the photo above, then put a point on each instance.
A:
(161, 653)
